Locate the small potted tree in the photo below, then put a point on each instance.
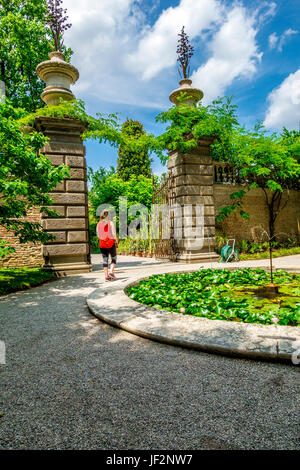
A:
(132, 247)
(140, 247)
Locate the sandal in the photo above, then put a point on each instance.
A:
(112, 276)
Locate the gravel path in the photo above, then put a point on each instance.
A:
(73, 382)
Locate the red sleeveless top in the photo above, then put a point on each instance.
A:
(106, 238)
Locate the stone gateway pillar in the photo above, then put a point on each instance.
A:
(192, 184)
(69, 253)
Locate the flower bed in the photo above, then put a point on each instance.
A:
(220, 294)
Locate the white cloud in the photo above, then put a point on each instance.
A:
(285, 36)
(273, 39)
(284, 104)
(279, 41)
(265, 12)
(157, 48)
(235, 54)
(122, 59)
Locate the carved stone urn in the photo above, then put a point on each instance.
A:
(58, 76)
(193, 95)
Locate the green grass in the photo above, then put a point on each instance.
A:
(14, 279)
(265, 254)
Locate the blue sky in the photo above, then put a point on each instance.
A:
(125, 51)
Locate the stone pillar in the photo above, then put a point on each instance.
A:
(192, 183)
(69, 253)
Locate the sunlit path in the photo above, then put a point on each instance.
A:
(73, 382)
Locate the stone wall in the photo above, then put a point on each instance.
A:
(26, 254)
(254, 203)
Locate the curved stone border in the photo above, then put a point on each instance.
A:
(111, 304)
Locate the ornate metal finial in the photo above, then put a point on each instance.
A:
(57, 20)
(185, 51)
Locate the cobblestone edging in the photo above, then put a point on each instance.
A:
(111, 304)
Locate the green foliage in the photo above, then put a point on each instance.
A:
(5, 249)
(26, 178)
(281, 247)
(268, 161)
(25, 41)
(107, 187)
(277, 253)
(188, 124)
(220, 294)
(100, 128)
(133, 157)
(14, 279)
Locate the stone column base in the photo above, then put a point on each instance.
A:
(190, 258)
(67, 269)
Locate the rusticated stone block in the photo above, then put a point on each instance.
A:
(189, 231)
(60, 209)
(191, 169)
(181, 159)
(64, 224)
(68, 198)
(76, 211)
(192, 190)
(76, 186)
(60, 237)
(65, 250)
(77, 236)
(56, 160)
(75, 161)
(193, 180)
(63, 148)
(195, 244)
(190, 210)
(77, 174)
(60, 187)
(205, 200)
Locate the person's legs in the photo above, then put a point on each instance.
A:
(113, 254)
(104, 252)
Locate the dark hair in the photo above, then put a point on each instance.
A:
(104, 214)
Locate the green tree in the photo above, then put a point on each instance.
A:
(269, 162)
(107, 187)
(25, 41)
(26, 178)
(133, 156)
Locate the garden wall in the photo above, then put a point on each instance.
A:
(255, 205)
(26, 254)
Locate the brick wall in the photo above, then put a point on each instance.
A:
(254, 203)
(26, 254)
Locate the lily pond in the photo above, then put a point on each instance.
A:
(218, 294)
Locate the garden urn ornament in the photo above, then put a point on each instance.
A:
(186, 93)
(58, 76)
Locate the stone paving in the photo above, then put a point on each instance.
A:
(73, 382)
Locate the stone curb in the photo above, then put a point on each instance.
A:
(273, 342)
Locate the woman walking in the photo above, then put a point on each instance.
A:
(108, 243)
